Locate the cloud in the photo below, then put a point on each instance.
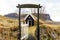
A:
(52, 6)
(5, 8)
(54, 10)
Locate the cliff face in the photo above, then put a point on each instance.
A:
(45, 16)
(12, 15)
(41, 16)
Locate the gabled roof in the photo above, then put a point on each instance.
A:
(31, 16)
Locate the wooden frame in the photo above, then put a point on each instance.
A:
(29, 6)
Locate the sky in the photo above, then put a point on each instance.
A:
(52, 7)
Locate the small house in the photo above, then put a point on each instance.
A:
(29, 19)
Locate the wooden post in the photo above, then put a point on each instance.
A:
(38, 28)
(19, 35)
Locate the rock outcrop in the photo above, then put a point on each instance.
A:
(12, 15)
(41, 16)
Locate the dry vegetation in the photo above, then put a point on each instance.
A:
(47, 31)
(9, 30)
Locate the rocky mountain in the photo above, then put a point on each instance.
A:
(12, 15)
(41, 16)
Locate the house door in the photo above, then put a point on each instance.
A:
(30, 22)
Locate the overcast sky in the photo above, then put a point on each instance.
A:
(52, 6)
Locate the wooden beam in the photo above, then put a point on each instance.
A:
(19, 35)
(28, 6)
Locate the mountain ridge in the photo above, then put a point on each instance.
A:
(41, 16)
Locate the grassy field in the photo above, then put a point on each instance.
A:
(32, 30)
(51, 29)
(7, 23)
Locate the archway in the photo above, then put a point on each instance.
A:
(29, 6)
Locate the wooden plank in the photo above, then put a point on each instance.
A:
(28, 6)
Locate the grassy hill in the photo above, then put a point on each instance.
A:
(47, 31)
(9, 30)
(8, 27)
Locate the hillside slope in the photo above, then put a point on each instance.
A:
(8, 28)
(47, 31)
(7, 22)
